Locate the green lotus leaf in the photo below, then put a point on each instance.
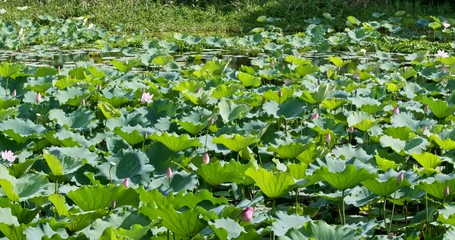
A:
(82, 220)
(361, 120)
(427, 160)
(284, 222)
(63, 165)
(404, 120)
(198, 98)
(416, 145)
(385, 184)
(304, 70)
(115, 96)
(125, 66)
(226, 228)
(6, 113)
(438, 107)
(193, 128)
(397, 145)
(385, 164)
(162, 60)
(248, 80)
(332, 103)
(59, 203)
(447, 216)
(446, 144)
(133, 135)
(402, 133)
(271, 95)
(321, 230)
(359, 196)
(6, 217)
(21, 130)
(41, 84)
(291, 108)
(372, 109)
(45, 71)
(435, 186)
(79, 119)
(273, 185)
(191, 200)
(290, 151)
(27, 186)
(136, 231)
(235, 142)
(71, 96)
(344, 176)
(74, 152)
(12, 232)
(230, 111)
(224, 91)
(348, 152)
(215, 173)
(186, 224)
(108, 110)
(42, 230)
(11, 70)
(127, 163)
(337, 61)
(68, 139)
(175, 142)
(90, 198)
(308, 155)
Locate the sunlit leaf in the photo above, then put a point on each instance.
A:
(273, 185)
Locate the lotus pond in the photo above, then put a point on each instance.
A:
(326, 134)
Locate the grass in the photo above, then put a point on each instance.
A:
(162, 18)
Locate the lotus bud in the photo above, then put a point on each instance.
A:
(396, 111)
(351, 129)
(212, 120)
(113, 204)
(328, 137)
(425, 128)
(247, 214)
(100, 87)
(272, 63)
(38, 97)
(400, 177)
(169, 173)
(206, 158)
(13, 93)
(280, 93)
(446, 191)
(83, 102)
(314, 116)
(126, 182)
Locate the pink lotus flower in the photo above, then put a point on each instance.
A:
(247, 214)
(126, 182)
(314, 116)
(13, 93)
(206, 158)
(169, 173)
(442, 54)
(396, 111)
(146, 98)
(38, 97)
(328, 137)
(8, 156)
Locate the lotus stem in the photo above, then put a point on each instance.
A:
(344, 211)
(393, 209)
